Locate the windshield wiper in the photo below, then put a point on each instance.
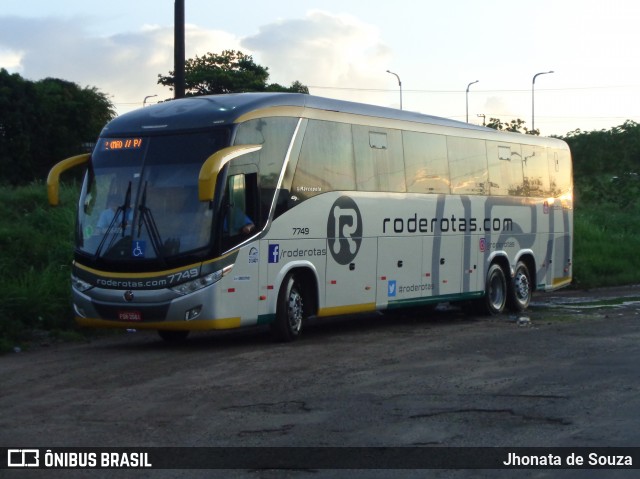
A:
(127, 202)
(146, 217)
(120, 210)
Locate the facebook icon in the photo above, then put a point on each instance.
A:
(274, 253)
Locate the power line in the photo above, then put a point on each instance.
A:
(386, 90)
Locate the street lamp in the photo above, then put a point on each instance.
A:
(399, 84)
(144, 102)
(533, 84)
(467, 97)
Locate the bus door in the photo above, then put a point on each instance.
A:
(242, 220)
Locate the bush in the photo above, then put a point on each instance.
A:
(36, 244)
(605, 246)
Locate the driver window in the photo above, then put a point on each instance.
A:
(237, 205)
(239, 210)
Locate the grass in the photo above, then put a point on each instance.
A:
(606, 246)
(36, 245)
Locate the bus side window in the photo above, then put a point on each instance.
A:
(326, 160)
(468, 166)
(241, 208)
(560, 170)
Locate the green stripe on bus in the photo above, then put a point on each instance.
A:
(408, 303)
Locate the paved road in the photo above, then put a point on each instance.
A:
(565, 374)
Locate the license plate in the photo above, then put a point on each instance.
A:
(129, 315)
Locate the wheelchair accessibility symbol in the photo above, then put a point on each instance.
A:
(138, 249)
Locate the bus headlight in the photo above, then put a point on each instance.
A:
(203, 282)
(79, 285)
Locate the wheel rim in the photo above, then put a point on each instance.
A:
(496, 292)
(295, 310)
(522, 287)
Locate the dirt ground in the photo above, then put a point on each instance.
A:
(565, 373)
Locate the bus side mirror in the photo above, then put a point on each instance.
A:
(214, 164)
(53, 180)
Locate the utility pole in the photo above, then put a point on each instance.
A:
(533, 103)
(399, 84)
(144, 102)
(178, 50)
(467, 97)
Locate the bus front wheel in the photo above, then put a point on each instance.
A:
(495, 297)
(289, 311)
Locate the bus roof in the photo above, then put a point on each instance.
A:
(212, 110)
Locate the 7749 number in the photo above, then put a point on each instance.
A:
(183, 276)
(300, 231)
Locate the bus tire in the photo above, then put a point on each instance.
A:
(520, 289)
(289, 311)
(495, 296)
(171, 336)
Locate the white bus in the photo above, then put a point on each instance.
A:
(225, 211)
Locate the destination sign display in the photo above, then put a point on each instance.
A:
(115, 144)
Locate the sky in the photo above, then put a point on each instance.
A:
(343, 49)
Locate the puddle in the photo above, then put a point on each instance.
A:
(574, 306)
(586, 303)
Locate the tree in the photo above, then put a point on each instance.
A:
(18, 114)
(613, 152)
(516, 126)
(44, 122)
(70, 116)
(229, 72)
(606, 164)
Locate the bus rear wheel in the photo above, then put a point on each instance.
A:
(495, 297)
(290, 311)
(520, 289)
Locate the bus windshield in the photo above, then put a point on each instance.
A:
(140, 201)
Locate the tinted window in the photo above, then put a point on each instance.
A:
(140, 204)
(271, 157)
(326, 160)
(379, 159)
(560, 172)
(425, 157)
(536, 171)
(468, 166)
(505, 168)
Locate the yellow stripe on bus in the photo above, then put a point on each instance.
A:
(557, 282)
(150, 274)
(350, 309)
(128, 275)
(204, 325)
